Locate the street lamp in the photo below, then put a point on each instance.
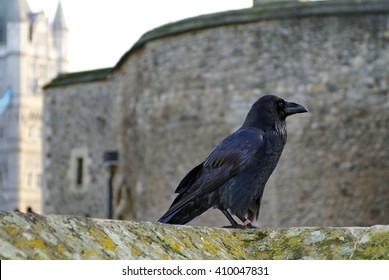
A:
(110, 160)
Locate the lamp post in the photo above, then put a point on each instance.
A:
(110, 160)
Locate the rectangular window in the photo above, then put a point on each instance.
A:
(79, 170)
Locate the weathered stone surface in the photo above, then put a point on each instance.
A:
(79, 123)
(31, 236)
(182, 94)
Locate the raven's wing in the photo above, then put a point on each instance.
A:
(228, 158)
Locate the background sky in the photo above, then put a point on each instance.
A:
(101, 31)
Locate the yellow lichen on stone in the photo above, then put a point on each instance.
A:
(173, 244)
(11, 229)
(136, 251)
(164, 257)
(103, 239)
(90, 253)
(60, 248)
(37, 243)
(373, 245)
(38, 237)
(186, 242)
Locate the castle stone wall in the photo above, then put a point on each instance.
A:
(191, 90)
(78, 125)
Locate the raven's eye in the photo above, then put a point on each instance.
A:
(281, 104)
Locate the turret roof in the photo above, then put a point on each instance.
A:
(59, 19)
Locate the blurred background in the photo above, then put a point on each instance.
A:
(105, 108)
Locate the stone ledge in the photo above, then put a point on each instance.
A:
(80, 77)
(32, 236)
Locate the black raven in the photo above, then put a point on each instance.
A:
(233, 177)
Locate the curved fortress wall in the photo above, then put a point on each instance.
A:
(185, 86)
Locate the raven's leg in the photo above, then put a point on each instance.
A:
(234, 224)
(246, 222)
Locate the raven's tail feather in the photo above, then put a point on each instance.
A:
(184, 214)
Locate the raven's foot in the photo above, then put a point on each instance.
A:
(248, 224)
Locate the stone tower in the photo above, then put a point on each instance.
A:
(30, 50)
(60, 39)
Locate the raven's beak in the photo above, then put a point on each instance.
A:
(294, 108)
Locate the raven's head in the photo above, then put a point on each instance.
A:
(270, 108)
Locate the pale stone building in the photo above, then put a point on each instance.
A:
(32, 52)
